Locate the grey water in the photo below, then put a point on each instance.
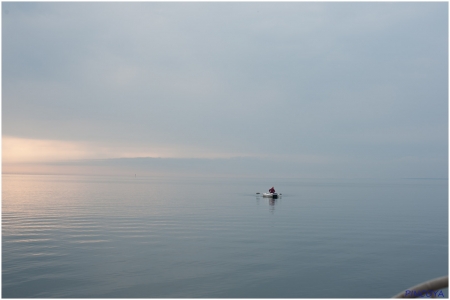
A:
(91, 236)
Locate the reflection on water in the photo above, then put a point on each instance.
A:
(74, 236)
(272, 204)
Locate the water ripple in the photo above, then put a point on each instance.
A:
(75, 237)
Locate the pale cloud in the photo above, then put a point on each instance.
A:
(308, 82)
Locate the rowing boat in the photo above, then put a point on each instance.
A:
(270, 195)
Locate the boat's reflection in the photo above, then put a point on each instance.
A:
(272, 202)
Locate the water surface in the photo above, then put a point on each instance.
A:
(75, 236)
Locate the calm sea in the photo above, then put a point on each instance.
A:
(75, 236)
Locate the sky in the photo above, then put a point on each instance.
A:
(295, 89)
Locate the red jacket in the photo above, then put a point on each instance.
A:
(272, 190)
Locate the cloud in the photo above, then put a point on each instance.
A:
(228, 79)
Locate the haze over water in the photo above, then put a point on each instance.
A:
(91, 236)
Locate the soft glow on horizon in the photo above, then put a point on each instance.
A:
(41, 156)
(21, 150)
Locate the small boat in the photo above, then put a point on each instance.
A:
(271, 195)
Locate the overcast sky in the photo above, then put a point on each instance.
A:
(362, 86)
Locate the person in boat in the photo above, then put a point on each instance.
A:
(272, 190)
